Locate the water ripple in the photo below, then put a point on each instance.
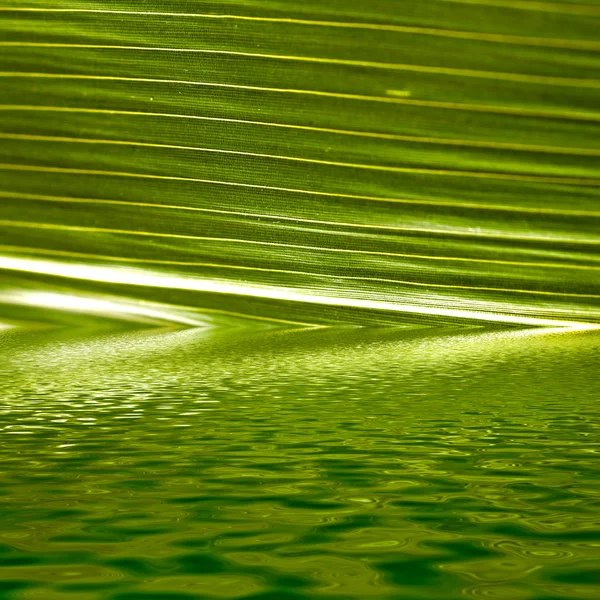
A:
(299, 464)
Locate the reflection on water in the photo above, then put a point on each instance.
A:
(289, 464)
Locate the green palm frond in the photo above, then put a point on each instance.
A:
(382, 162)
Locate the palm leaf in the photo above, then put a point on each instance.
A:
(382, 162)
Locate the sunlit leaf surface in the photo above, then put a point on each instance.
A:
(321, 162)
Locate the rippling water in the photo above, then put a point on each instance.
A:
(300, 464)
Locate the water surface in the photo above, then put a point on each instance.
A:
(300, 464)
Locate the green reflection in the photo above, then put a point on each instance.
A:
(342, 463)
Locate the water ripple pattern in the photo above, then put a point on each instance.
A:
(303, 464)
